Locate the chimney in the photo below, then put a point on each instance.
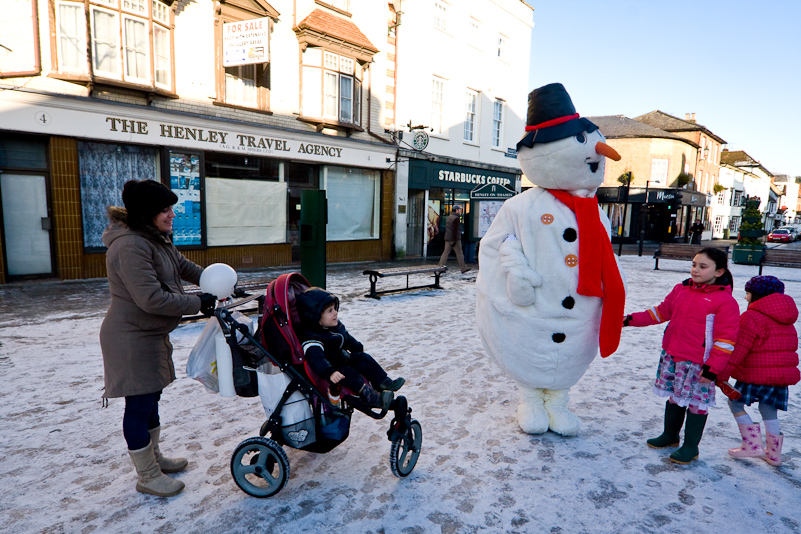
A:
(686, 116)
(693, 117)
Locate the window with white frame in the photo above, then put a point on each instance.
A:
(718, 223)
(497, 123)
(119, 37)
(501, 46)
(659, 170)
(437, 104)
(475, 33)
(71, 36)
(721, 198)
(332, 87)
(734, 225)
(471, 110)
(440, 15)
(240, 85)
(737, 198)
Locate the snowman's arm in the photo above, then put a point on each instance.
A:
(501, 247)
(521, 279)
(656, 314)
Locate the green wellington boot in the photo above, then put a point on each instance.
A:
(674, 418)
(693, 431)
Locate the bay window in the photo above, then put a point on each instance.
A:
(331, 87)
(119, 40)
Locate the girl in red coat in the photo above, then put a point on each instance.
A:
(696, 346)
(764, 364)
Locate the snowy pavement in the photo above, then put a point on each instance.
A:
(64, 466)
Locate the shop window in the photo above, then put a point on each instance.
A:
(437, 104)
(470, 116)
(332, 87)
(497, 123)
(659, 170)
(353, 203)
(104, 168)
(120, 44)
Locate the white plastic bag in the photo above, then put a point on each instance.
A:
(202, 364)
(272, 388)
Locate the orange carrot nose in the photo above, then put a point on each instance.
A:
(607, 151)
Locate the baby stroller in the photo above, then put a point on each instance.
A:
(305, 417)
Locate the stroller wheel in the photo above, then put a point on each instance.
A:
(403, 455)
(260, 467)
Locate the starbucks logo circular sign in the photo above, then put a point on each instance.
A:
(419, 140)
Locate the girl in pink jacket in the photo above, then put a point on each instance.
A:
(696, 346)
(764, 364)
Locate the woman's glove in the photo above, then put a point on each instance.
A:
(207, 304)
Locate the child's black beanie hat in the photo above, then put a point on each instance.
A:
(311, 304)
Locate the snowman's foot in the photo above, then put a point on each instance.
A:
(531, 414)
(560, 419)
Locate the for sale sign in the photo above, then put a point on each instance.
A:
(246, 42)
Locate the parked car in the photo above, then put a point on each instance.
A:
(780, 235)
(793, 232)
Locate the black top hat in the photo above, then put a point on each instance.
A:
(552, 116)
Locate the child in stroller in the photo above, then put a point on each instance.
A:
(333, 354)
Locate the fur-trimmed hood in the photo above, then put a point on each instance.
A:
(118, 227)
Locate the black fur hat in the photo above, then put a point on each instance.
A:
(552, 116)
(144, 200)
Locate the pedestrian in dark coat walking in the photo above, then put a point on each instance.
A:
(453, 239)
(147, 301)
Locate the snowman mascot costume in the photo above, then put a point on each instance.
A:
(549, 290)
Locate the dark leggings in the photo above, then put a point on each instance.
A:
(141, 415)
(361, 364)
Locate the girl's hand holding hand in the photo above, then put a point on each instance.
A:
(704, 380)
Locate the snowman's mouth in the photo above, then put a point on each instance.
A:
(593, 166)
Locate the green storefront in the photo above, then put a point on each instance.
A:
(436, 187)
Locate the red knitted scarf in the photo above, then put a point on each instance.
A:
(598, 272)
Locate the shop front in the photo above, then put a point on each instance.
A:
(238, 186)
(665, 215)
(435, 187)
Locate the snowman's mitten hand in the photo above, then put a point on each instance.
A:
(520, 278)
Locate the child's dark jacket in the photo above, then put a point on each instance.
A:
(323, 348)
(766, 344)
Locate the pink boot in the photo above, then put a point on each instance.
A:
(752, 443)
(773, 454)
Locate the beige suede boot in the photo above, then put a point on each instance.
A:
(151, 479)
(167, 465)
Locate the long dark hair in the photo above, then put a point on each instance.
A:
(721, 259)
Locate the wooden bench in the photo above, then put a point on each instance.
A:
(779, 257)
(679, 251)
(375, 274)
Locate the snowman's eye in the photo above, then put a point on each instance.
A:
(581, 138)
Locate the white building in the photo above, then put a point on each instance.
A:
(789, 199)
(462, 71)
(727, 204)
(239, 105)
(757, 182)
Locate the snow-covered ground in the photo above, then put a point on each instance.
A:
(64, 466)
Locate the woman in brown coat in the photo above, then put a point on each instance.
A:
(147, 302)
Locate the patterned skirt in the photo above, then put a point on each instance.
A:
(771, 395)
(679, 381)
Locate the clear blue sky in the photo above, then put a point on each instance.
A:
(735, 64)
